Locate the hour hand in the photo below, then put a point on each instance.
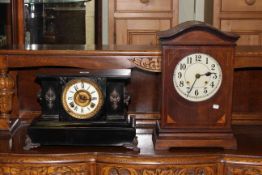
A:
(208, 74)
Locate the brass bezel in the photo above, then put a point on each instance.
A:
(80, 116)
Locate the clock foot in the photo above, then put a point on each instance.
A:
(133, 145)
(29, 145)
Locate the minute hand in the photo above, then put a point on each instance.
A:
(196, 77)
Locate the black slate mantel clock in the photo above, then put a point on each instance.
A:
(197, 80)
(84, 109)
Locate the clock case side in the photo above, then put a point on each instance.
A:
(175, 129)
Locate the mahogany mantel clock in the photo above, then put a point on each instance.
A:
(197, 80)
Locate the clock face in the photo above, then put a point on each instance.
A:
(197, 77)
(82, 98)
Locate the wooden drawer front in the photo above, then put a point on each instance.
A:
(207, 169)
(249, 39)
(250, 31)
(44, 169)
(232, 169)
(241, 5)
(139, 32)
(138, 5)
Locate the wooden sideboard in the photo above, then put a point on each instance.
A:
(20, 66)
(51, 160)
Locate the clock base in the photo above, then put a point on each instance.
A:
(110, 133)
(167, 140)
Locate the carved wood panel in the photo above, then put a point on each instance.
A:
(43, 169)
(205, 169)
(243, 170)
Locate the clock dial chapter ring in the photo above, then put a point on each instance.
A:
(82, 98)
(197, 77)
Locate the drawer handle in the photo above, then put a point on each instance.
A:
(250, 2)
(144, 1)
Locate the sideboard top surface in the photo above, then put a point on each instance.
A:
(249, 140)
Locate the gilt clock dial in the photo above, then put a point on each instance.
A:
(82, 98)
(197, 77)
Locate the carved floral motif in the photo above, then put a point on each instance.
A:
(244, 170)
(152, 64)
(180, 170)
(44, 170)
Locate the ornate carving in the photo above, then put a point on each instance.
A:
(115, 99)
(45, 170)
(176, 170)
(152, 64)
(6, 93)
(243, 170)
(50, 98)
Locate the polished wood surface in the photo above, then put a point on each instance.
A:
(116, 160)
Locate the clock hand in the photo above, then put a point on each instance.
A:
(207, 74)
(196, 78)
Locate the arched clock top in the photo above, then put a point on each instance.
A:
(196, 33)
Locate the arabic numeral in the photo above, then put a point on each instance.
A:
(196, 92)
(179, 75)
(207, 60)
(212, 84)
(205, 90)
(182, 66)
(189, 60)
(213, 66)
(215, 76)
(198, 58)
(181, 84)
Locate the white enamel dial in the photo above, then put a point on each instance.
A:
(82, 98)
(197, 77)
